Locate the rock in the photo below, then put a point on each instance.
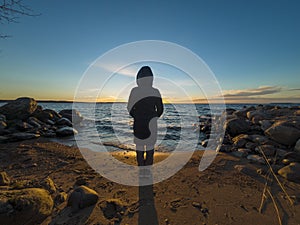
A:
(250, 145)
(256, 159)
(20, 108)
(241, 153)
(50, 122)
(49, 185)
(30, 204)
(237, 126)
(60, 198)
(81, 181)
(20, 136)
(112, 209)
(34, 122)
(257, 118)
(297, 113)
(82, 197)
(44, 115)
(243, 112)
(240, 140)
(55, 115)
(66, 131)
(64, 122)
(229, 111)
(3, 139)
(268, 150)
(4, 179)
(257, 115)
(280, 152)
(292, 156)
(297, 146)
(3, 125)
(72, 114)
(49, 134)
(265, 124)
(259, 139)
(204, 143)
(225, 148)
(23, 126)
(286, 135)
(246, 170)
(2, 118)
(5, 206)
(287, 161)
(291, 172)
(197, 205)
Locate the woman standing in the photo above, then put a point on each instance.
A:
(145, 106)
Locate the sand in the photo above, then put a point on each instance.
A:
(219, 195)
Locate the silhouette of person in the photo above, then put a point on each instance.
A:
(145, 106)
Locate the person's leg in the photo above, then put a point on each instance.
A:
(140, 155)
(149, 155)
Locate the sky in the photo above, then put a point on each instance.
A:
(251, 47)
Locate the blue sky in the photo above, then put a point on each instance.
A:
(252, 47)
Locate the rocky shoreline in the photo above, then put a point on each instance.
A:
(262, 134)
(24, 119)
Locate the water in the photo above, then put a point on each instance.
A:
(110, 124)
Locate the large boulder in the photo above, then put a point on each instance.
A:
(237, 126)
(291, 172)
(283, 134)
(82, 197)
(30, 206)
(72, 114)
(20, 108)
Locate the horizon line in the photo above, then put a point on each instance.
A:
(122, 102)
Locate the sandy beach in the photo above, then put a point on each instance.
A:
(222, 194)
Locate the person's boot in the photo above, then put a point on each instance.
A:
(149, 157)
(140, 158)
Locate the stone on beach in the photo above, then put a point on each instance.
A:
(44, 115)
(297, 146)
(82, 197)
(66, 131)
(291, 172)
(34, 122)
(20, 108)
(72, 114)
(283, 134)
(30, 204)
(237, 126)
(268, 150)
(20, 136)
(256, 159)
(64, 122)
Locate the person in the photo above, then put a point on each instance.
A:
(145, 106)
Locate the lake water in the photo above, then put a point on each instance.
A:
(111, 125)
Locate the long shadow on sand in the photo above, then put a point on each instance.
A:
(147, 211)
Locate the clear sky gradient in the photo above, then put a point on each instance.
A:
(252, 47)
